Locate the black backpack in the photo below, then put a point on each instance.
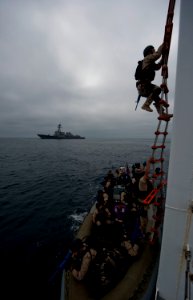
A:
(138, 71)
(145, 74)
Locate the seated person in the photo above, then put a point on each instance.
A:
(132, 248)
(105, 196)
(82, 256)
(137, 171)
(99, 196)
(109, 180)
(134, 242)
(120, 217)
(145, 186)
(120, 212)
(102, 214)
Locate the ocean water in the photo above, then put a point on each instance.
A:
(46, 189)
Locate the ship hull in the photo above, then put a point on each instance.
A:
(52, 137)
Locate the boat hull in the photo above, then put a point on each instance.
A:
(52, 137)
(139, 281)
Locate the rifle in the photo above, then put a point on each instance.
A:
(138, 99)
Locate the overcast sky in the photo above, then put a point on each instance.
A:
(73, 62)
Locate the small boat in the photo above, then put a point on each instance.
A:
(138, 278)
(60, 135)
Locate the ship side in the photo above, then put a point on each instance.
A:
(175, 267)
(54, 137)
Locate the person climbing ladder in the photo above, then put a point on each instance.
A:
(145, 74)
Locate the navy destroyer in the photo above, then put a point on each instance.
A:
(60, 135)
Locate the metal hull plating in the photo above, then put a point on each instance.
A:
(172, 283)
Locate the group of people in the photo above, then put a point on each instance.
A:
(119, 229)
(121, 222)
(120, 202)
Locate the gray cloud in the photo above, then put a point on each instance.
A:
(73, 62)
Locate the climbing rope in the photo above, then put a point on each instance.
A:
(156, 169)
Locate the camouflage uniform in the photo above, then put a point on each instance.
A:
(86, 260)
(145, 87)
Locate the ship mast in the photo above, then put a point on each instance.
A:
(59, 128)
(177, 241)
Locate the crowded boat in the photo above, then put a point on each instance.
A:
(114, 238)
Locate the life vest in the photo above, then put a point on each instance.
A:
(120, 211)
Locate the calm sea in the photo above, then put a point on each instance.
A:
(46, 188)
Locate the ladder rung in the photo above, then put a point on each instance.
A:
(151, 196)
(153, 160)
(161, 132)
(164, 103)
(158, 147)
(157, 175)
(153, 193)
(165, 117)
(164, 87)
